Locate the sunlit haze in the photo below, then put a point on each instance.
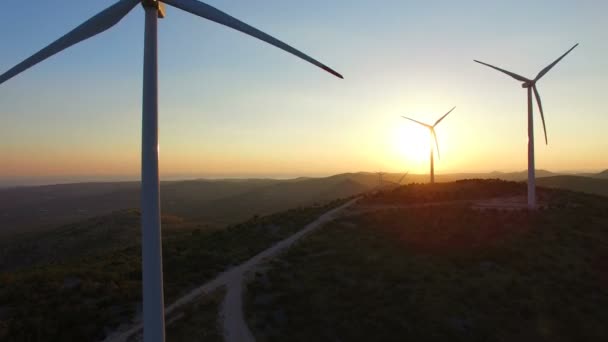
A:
(231, 106)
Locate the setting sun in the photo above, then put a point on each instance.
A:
(412, 143)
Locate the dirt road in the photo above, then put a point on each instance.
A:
(232, 318)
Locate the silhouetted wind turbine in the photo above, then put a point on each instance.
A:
(434, 136)
(403, 177)
(531, 86)
(153, 304)
(380, 175)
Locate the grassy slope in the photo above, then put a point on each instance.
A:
(81, 296)
(213, 202)
(199, 321)
(91, 236)
(217, 202)
(589, 185)
(603, 174)
(282, 196)
(443, 274)
(37, 208)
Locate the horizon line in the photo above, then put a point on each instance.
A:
(32, 181)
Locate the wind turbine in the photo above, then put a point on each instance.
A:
(530, 84)
(380, 175)
(434, 136)
(153, 303)
(402, 177)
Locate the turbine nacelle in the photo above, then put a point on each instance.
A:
(155, 4)
(528, 84)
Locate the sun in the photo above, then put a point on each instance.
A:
(411, 143)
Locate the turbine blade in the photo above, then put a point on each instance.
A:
(514, 75)
(211, 13)
(546, 69)
(446, 114)
(436, 142)
(92, 27)
(418, 122)
(542, 115)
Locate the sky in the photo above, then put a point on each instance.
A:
(233, 106)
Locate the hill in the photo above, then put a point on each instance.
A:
(82, 280)
(450, 177)
(212, 202)
(284, 195)
(603, 174)
(216, 203)
(589, 185)
(401, 261)
(88, 237)
(423, 263)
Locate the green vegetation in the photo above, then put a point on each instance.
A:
(462, 190)
(199, 321)
(83, 296)
(443, 273)
(215, 203)
(218, 203)
(589, 185)
(93, 236)
(189, 261)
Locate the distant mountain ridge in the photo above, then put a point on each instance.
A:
(225, 201)
(603, 174)
(213, 202)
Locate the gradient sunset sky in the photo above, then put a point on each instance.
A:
(233, 106)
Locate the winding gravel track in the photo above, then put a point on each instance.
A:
(235, 328)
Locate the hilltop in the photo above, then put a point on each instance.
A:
(216, 203)
(213, 203)
(603, 174)
(424, 262)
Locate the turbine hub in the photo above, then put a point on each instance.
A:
(155, 4)
(527, 84)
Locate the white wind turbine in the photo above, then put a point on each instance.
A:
(433, 136)
(531, 86)
(153, 303)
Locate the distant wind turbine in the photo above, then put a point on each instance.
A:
(434, 136)
(153, 304)
(403, 177)
(531, 86)
(380, 175)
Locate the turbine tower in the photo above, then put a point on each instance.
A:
(530, 85)
(433, 136)
(380, 175)
(403, 177)
(152, 273)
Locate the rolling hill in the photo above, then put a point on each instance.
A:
(603, 174)
(444, 271)
(220, 202)
(588, 185)
(212, 202)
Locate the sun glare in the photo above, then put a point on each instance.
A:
(412, 143)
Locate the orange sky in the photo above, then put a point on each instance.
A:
(236, 107)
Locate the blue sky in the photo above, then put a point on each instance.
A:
(234, 106)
